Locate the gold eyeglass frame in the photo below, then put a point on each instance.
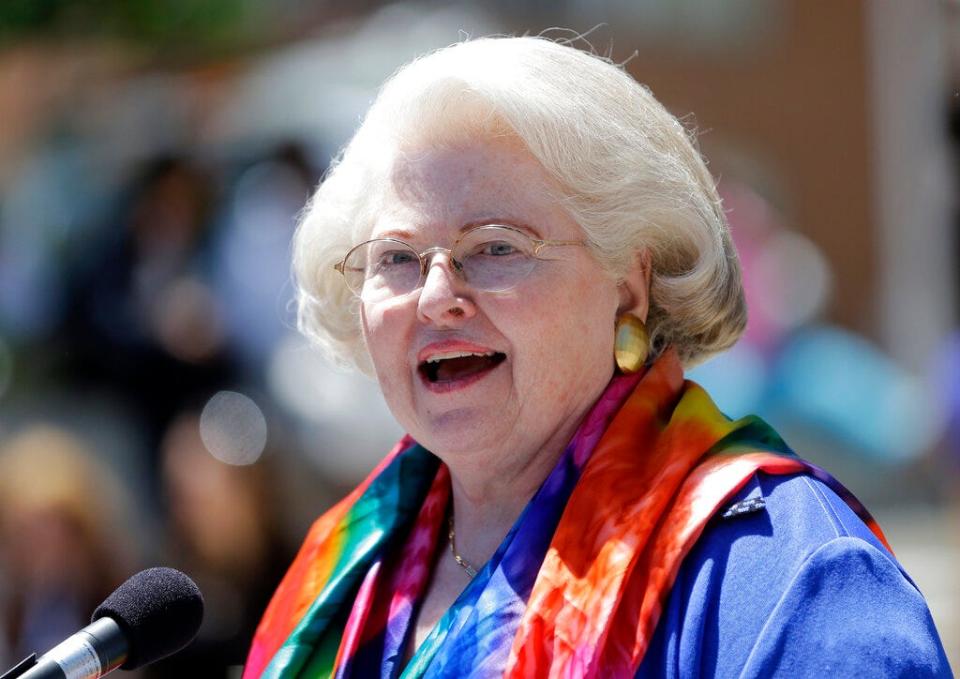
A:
(426, 256)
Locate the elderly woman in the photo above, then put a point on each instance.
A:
(526, 249)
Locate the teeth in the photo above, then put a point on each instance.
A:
(436, 358)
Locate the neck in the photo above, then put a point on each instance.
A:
(488, 497)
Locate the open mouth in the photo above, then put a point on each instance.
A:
(459, 366)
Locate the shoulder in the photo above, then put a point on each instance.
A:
(793, 584)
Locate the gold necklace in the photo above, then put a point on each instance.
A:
(463, 563)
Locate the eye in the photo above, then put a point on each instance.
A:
(393, 258)
(498, 248)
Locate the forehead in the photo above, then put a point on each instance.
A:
(433, 189)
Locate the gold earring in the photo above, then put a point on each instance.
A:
(632, 343)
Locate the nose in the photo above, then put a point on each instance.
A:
(445, 299)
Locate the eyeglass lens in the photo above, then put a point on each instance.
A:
(492, 259)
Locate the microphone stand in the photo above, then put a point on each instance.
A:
(21, 667)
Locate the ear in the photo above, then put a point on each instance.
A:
(634, 286)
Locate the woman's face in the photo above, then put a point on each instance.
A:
(548, 342)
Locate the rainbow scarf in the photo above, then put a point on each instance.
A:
(576, 587)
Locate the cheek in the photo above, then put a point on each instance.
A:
(569, 339)
(383, 332)
(369, 331)
(384, 336)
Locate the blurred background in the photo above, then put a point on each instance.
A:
(157, 405)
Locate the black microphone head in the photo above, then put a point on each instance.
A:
(159, 611)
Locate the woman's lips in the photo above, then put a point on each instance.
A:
(450, 365)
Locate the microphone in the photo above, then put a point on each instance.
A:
(152, 615)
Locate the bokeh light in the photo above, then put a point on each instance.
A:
(233, 428)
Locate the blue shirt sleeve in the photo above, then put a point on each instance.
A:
(794, 586)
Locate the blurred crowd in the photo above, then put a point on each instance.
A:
(158, 407)
(154, 323)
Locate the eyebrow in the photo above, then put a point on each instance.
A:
(399, 234)
(500, 221)
(403, 234)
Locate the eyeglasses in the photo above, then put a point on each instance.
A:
(490, 258)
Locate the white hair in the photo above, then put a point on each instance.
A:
(630, 173)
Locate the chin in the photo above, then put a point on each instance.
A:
(459, 431)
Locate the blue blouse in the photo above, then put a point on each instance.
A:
(788, 582)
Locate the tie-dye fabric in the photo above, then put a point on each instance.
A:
(576, 587)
